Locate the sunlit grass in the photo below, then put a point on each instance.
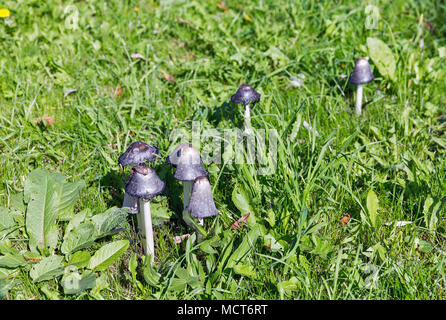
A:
(302, 251)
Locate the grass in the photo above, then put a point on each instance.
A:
(302, 251)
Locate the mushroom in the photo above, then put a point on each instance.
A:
(201, 204)
(361, 75)
(136, 154)
(172, 158)
(188, 168)
(144, 184)
(245, 95)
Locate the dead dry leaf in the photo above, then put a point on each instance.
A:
(168, 77)
(186, 22)
(222, 5)
(240, 222)
(49, 120)
(118, 92)
(345, 220)
(69, 91)
(138, 56)
(246, 17)
(179, 239)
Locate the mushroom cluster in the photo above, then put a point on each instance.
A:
(189, 170)
(143, 184)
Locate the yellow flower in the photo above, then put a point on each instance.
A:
(4, 13)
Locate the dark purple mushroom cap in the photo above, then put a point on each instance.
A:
(137, 153)
(144, 183)
(245, 95)
(362, 73)
(201, 204)
(172, 158)
(189, 166)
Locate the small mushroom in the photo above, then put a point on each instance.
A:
(144, 184)
(361, 75)
(172, 158)
(245, 95)
(137, 153)
(188, 168)
(201, 204)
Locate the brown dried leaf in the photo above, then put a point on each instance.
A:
(345, 220)
(240, 222)
(247, 18)
(222, 5)
(118, 92)
(138, 56)
(49, 120)
(186, 22)
(69, 91)
(168, 77)
(179, 239)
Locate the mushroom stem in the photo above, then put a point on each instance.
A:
(145, 221)
(359, 92)
(187, 189)
(247, 119)
(131, 203)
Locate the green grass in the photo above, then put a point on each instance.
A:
(397, 148)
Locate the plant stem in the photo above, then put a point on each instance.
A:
(145, 221)
(187, 190)
(359, 91)
(131, 203)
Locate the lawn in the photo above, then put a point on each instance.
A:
(349, 208)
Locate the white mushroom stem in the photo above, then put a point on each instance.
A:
(130, 202)
(359, 91)
(145, 223)
(247, 119)
(187, 190)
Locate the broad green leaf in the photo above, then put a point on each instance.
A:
(108, 254)
(244, 248)
(80, 259)
(68, 193)
(50, 293)
(245, 270)
(6, 219)
(372, 206)
(160, 213)
(48, 268)
(74, 283)
(12, 261)
(41, 196)
(80, 237)
(17, 203)
(241, 200)
(151, 276)
(5, 285)
(287, 287)
(53, 237)
(7, 247)
(109, 221)
(77, 220)
(382, 57)
(272, 243)
(133, 264)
